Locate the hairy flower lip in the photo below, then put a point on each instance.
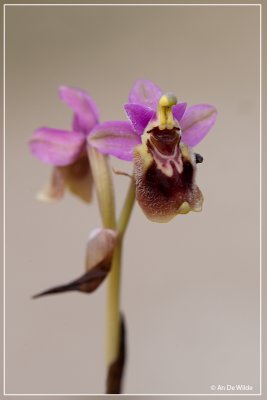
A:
(166, 186)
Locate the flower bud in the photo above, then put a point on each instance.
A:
(99, 252)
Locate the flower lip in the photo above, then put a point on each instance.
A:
(166, 140)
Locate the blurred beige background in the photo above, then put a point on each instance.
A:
(191, 287)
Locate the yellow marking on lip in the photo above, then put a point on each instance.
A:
(146, 157)
(184, 208)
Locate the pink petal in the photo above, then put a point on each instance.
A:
(86, 112)
(116, 138)
(56, 147)
(179, 110)
(146, 93)
(196, 123)
(139, 116)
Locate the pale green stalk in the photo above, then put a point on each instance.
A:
(105, 195)
(113, 294)
(104, 187)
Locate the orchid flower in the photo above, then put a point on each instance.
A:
(66, 150)
(159, 138)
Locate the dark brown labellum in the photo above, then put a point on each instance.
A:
(166, 183)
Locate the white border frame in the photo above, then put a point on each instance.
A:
(4, 186)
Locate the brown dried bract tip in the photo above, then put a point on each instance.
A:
(87, 283)
(99, 254)
(116, 369)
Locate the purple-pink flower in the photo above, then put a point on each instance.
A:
(65, 150)
(159, 138)
(119, 138)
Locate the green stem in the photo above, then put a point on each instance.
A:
(104, 187)
(126, 210)
(113, 294)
